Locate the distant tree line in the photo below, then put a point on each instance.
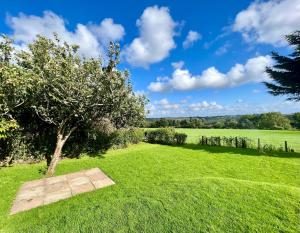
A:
(272, 120)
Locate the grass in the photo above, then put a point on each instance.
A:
(168, 189)
(274, 137)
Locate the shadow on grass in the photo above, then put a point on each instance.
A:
(240, 151)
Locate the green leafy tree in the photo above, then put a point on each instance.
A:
(273, 120)
(285, 74)
(15, 82)
(230, 124)
(295, 120)
(70, 91)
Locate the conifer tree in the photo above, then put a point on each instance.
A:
(285, 74)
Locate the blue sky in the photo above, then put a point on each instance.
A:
(190, 58)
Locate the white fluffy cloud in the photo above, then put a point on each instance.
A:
(166, 105)
(165, 108)
(108, 31)
(204, 105)
(252, 71)
(157, 30)
(190, 39)
(268, 22)
(90, 37)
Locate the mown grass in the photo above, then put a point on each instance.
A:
(274, 137)
(168, 189)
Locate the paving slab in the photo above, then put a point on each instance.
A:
(48, 190)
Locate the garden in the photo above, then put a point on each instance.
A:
(61, 113)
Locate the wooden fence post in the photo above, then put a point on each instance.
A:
(286, 146)
(258, 144)
(236, 142)
(202, 140)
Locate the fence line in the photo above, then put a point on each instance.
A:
(242, 142)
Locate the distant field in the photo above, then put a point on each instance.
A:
(275, 137)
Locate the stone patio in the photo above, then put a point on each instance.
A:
(48, 190)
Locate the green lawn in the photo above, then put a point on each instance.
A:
(275, 137)
(168, 189)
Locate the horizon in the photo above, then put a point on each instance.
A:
(201, 69)
(237, 115)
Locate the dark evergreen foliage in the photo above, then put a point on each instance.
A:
(285, 74)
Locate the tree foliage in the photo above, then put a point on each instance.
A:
(274, 120)
(285, 74)
(65, 91)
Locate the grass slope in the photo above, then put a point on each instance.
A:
(168, 189)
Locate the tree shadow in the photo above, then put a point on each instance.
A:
(238, 151)
(95, 154)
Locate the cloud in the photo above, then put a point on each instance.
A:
(204, 105)
(157, 30)
(108, 31)
(141, 93)
(268, 22)
(166, 105)
(91, 38)
(182, 80)
(191, 38)
(177, 65)
(165, 108)
(245, 107)
(223, 49)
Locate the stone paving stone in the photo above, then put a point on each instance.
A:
(102, 183)
(97, 176)
(34, 183)
(63, 185)
(56, 179)
(57, 196)
(26, 204)
(87, 187)
(29, 193)
(48, 190)
(79, 181)
(75, 175)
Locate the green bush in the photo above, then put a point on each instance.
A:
(165, 136)
(123, 137)
(136, 135)
(180, 138)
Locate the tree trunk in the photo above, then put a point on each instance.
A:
(61, 139)
(56, 156)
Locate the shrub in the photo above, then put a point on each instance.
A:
(180, 138)
(16, 145)
(136, 135)
(165, 136)
(123, 137)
